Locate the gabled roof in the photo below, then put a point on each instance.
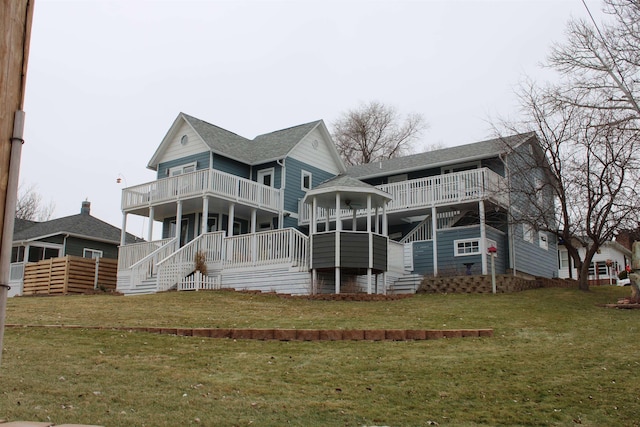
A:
(80, 225)
(276, 145)
(263, 148)
(438, 158)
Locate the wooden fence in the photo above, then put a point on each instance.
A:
(69, 275)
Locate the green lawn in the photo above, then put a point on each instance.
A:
(556, 358)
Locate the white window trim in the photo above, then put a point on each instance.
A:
(93, 251)
(543, 240)
(527, 233)
(303, 175)
(456, 251)
(269, 171)
(180, 169)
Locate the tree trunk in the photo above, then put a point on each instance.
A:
(583, 277)
(635, 290)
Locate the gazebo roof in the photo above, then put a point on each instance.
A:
(353, 193)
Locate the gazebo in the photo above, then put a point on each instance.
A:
(361, 247)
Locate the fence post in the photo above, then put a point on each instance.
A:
(97, 273)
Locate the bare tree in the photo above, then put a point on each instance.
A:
(30, 206)
(374, 132)
(601, 63)
(588, 128)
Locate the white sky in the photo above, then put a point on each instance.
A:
(106, 79)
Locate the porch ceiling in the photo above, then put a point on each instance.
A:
(216, 205)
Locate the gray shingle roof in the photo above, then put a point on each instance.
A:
(269, 146)
(77, 225)
(218, 139)
(276, 145)
(443, 157)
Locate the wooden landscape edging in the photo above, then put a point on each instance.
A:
(296, 334)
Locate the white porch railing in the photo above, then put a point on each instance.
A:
(131, 254)
(267, 247)
(438, 190)
(395, 258)
(203, 182)
(174, 267)
(16, 272)
(146, 268)
(198, 281)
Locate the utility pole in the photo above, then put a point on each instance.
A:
(16, 17)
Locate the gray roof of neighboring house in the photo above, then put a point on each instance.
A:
(344, 181)
(443, 157)
(271, 146)
(83, 225)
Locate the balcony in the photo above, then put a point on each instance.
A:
(439, 190)
(207, 182)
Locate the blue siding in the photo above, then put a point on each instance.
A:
(423, 257)
(231, 166)
(201, 159)
(530, 258)
(277, 176)
(293, 188)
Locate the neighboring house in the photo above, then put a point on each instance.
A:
(611, 259)
(249, 207)
(79, 235)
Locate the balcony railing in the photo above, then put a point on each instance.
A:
(201, 183)
(438, 190)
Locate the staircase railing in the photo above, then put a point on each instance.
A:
(176, 266)
(128, 255)
(147, 266)
(268, 247)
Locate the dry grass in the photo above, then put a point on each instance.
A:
(556, 359)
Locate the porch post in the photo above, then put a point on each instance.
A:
(150, 229)
(254, 238)
(434, 239)
(232, 208)
(483, 237)
(385, 224)
(205, 215)
(377, 220)
(369, 269)
(354, 224)
(254, 215)
(123, 232)
(313, 229)
(179, 222)
(337, 244)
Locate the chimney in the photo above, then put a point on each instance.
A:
(86, 208)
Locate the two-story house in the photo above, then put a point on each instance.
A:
(282, 213)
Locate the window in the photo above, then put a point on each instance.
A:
(564, 259)
(179, 170)
(543, 240)
(39, 253)
(265, 177)
(397, 178)
(212, 224)
(598, 268)
(527, 233)
(17, 254)
(183, 230)
(306, 180)
(466, 247)
(91, 253)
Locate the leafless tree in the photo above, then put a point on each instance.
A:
(600, 63)
(587, 124)
(30, 205)
(374, 132)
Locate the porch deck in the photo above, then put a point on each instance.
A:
(434, 191)
(207, 182)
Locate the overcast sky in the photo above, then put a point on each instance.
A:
(106, 79)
